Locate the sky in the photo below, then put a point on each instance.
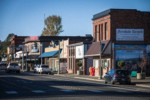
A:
(26, 17)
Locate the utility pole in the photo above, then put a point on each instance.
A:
(41, 53)
(22, 58)
(59, 58)
(100, 61)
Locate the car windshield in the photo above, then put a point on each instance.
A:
(13, 64)
(44, 66)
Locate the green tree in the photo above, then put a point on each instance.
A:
(53, 26)
(5, 44)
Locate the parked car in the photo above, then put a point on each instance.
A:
(117, 76)
(42, 69)
(3, 66)
(13, 67)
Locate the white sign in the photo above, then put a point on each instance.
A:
(130, 34)
(80, 51)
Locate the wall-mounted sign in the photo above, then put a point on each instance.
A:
(80, 51)
(35, 48)
(130, 34)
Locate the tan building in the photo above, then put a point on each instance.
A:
(58, 45)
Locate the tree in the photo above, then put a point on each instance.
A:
(5, 44)
(53, 26)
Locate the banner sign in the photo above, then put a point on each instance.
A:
(130, 34)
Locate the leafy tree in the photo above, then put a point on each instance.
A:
(5, 44)
(53, 26)
(9, 37)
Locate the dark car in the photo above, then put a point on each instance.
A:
(3, 66)
(117, 76)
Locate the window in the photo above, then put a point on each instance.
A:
(101, 31)
(95, 32)
(106, 31)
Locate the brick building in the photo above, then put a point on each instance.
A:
(15, 46)
(124, 35)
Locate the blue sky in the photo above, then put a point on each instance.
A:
(26, 17)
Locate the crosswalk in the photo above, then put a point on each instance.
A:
(14, 92)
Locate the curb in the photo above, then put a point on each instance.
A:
(98, 80)
(143, 85)
(89, 79)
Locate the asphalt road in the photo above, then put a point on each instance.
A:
(30, 86)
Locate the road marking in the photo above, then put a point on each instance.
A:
(11, 92)
(23, 81)
(38, 91)
(67, 90)
(96, 91)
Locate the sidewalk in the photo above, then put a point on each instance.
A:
(140, 83)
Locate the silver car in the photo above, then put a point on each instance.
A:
(43, 69)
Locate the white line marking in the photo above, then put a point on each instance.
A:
(11, 92)
(96, 91)
(67, 90)
(38, 91)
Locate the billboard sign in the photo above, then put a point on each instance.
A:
(130, 34)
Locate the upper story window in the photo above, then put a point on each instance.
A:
(106, 33)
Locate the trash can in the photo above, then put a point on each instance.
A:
(133, 73)
(139, 76)
(79, 72)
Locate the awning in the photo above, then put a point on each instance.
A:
(94, 49)
(49, 54)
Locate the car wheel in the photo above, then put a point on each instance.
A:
(17, 71)
(105, 82)
(112, 82)
(129, 83)
(7, 71)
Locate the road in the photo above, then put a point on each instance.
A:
(30, 86)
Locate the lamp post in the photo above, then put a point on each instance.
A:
(22, 58)
(59, 58)
(41, 53)
(26, 58)
(100, 61)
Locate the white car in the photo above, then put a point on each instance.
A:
(42, 69)
(13, 67)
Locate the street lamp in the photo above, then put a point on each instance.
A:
(41, 53)
(100, 61)
(22, 57)
(59, 59)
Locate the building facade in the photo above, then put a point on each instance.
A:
(124, 36)
(76, 55)
(56, 53)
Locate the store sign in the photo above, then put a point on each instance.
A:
(35, 48)
(130, 34)
(80, 51)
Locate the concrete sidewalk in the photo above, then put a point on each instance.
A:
(140, 83)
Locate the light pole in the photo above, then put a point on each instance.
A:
(41, 53)
(22, 58)
(59, 58)
(100, 61)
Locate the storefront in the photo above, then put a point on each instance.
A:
(132, 57)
